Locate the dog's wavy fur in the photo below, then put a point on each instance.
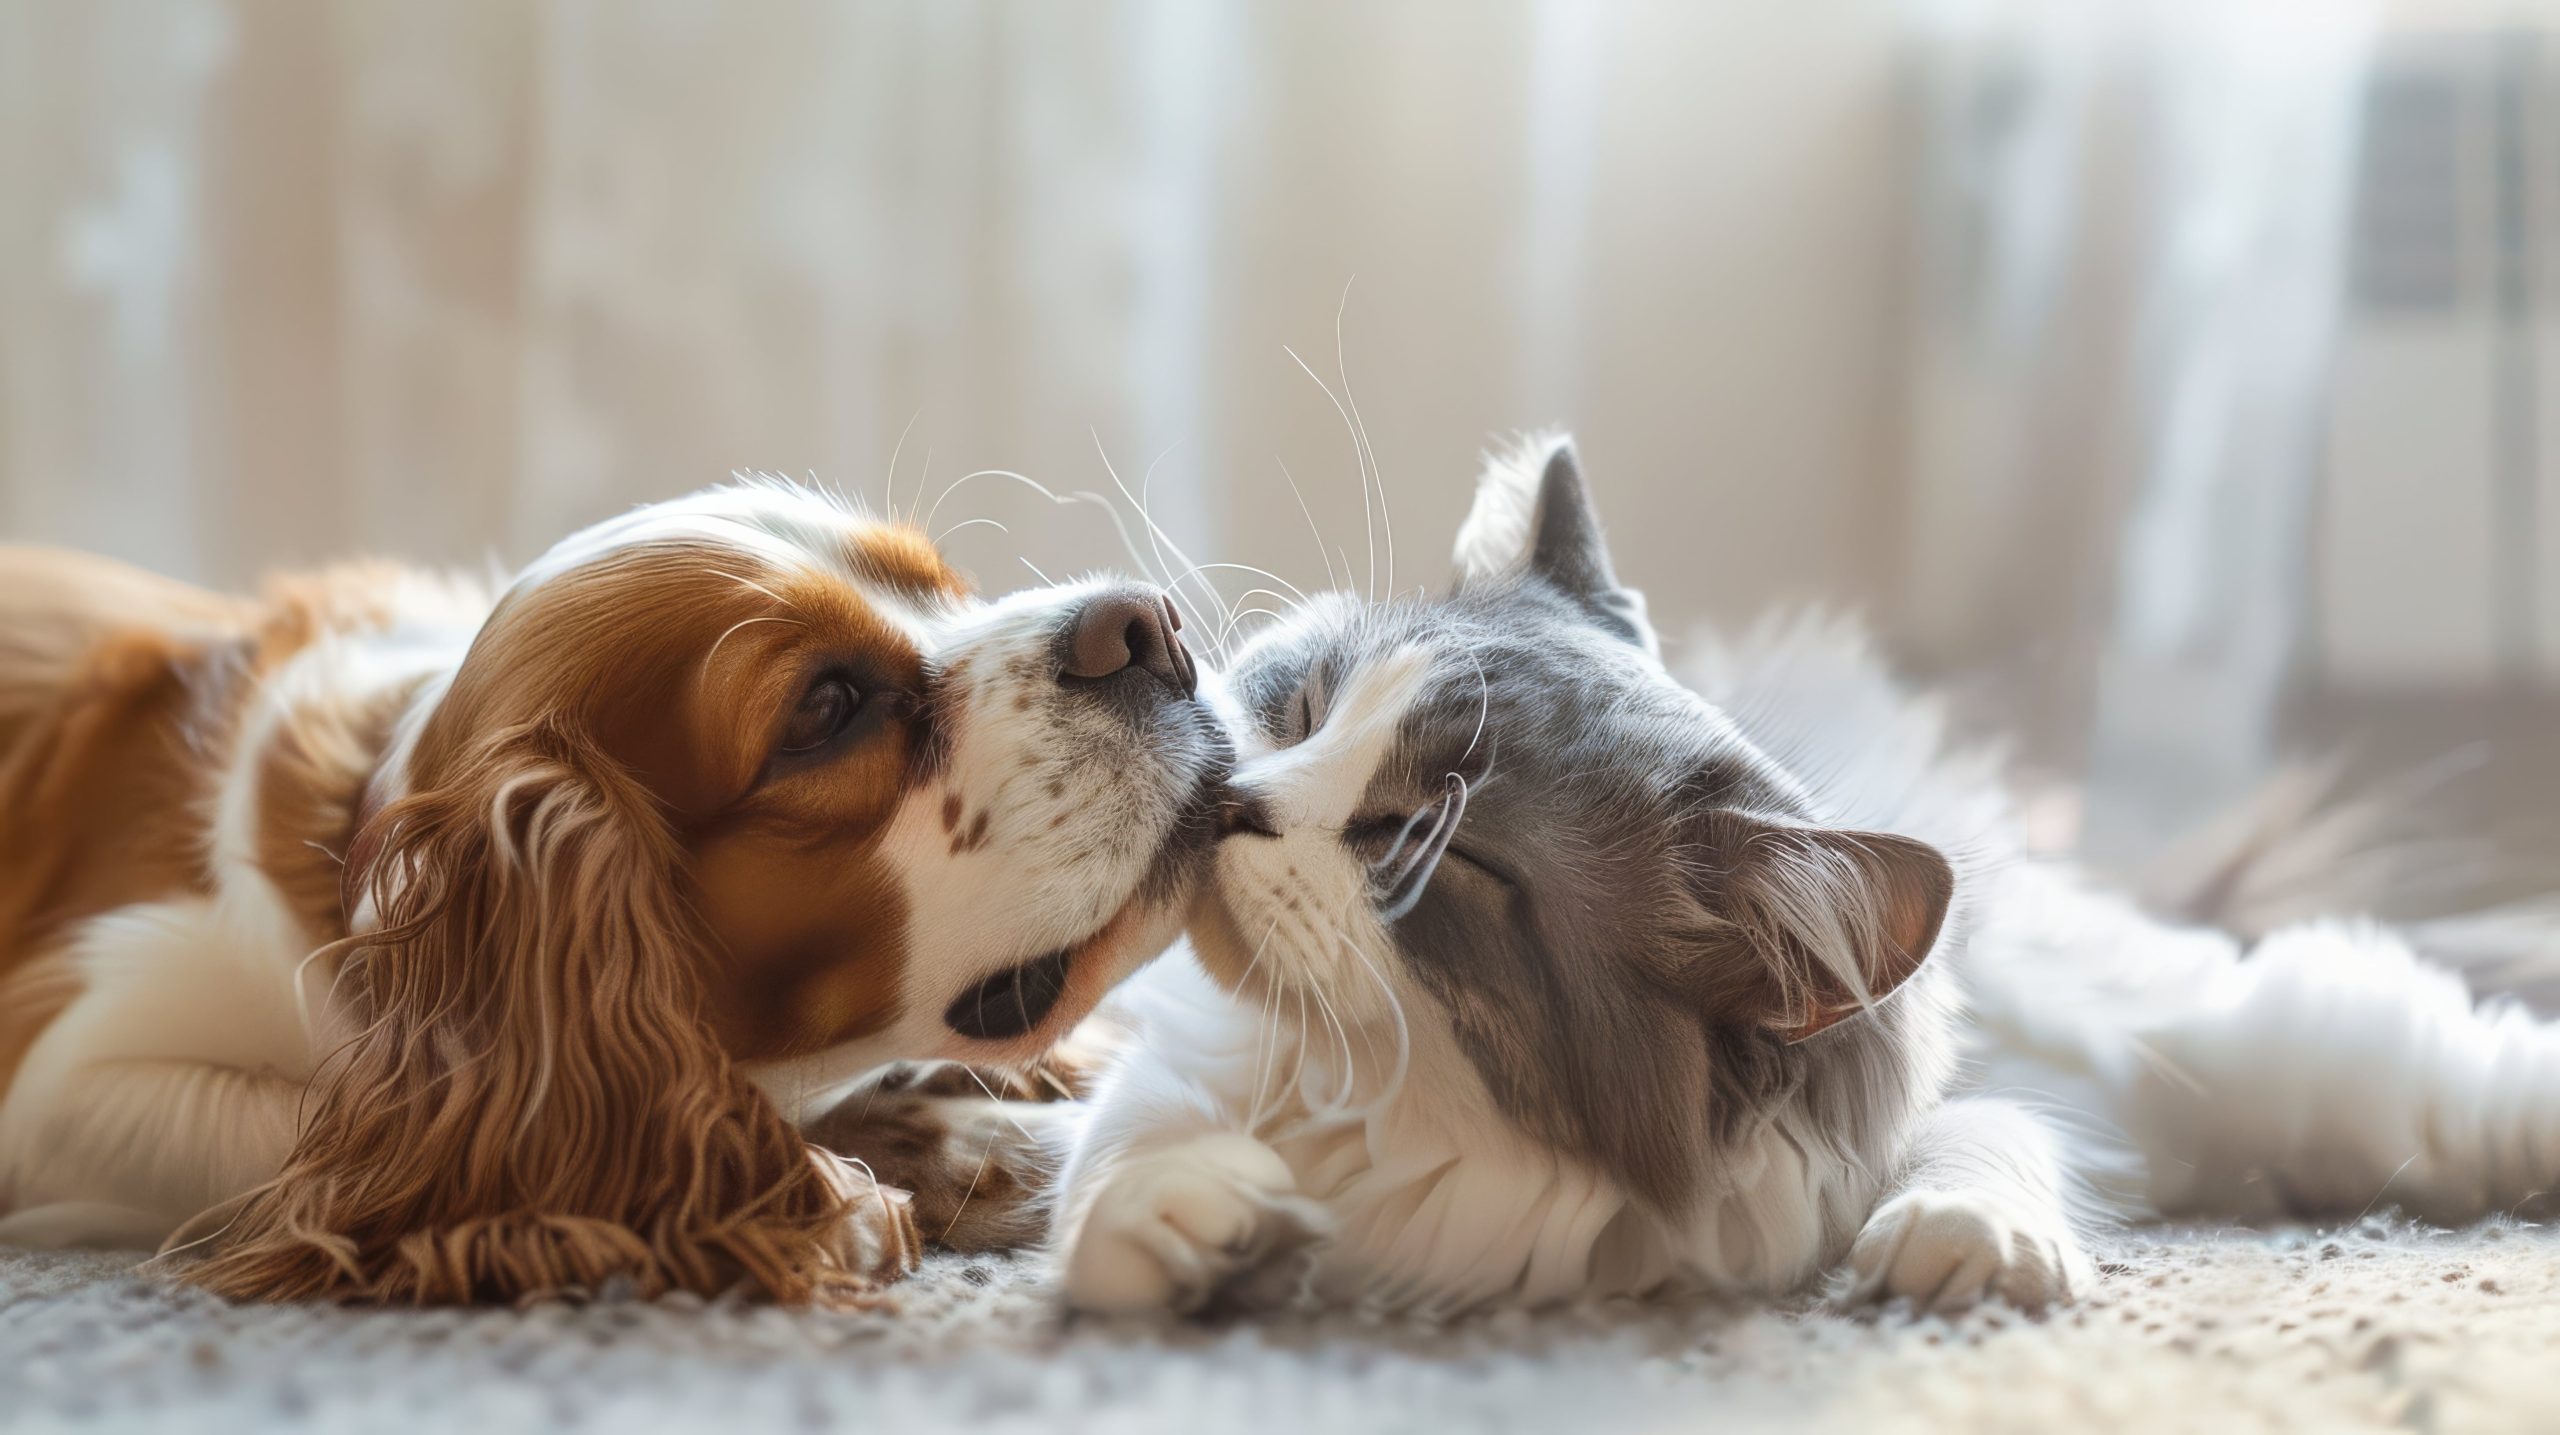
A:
(380, 939)
(532, 959)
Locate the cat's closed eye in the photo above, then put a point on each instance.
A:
(1394, 839)
(1305, 710)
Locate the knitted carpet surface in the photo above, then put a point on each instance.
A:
(2375, 1326)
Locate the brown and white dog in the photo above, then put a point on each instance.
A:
(410, 946)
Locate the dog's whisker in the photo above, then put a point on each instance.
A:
(1146, 510)
(939, 538)
(889, 494)
(1157, 536)
(743, 623)
(753, 586)
(954, 486)
(1109, 509)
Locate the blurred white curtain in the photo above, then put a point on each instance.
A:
(285, 279)
(2133, 240)
(288, 278)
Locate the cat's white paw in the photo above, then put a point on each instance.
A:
(1177, 1227)
(1947, 1250)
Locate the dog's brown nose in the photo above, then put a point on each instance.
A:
(1130, 628)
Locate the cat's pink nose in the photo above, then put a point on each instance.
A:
(1130, 628)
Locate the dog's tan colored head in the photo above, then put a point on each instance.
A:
(734, 798)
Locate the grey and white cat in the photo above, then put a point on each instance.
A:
(1529, 973)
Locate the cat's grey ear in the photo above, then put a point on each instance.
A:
(1533, 514)
(1807, 925)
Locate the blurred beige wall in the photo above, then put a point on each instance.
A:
(2020, 326)
(285, 279)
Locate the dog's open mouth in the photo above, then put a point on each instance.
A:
(1019, 1000)
(1011, 1002)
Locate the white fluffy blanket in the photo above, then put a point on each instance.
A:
(2377, 1326)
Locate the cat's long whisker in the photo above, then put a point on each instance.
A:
(1266, 1059)
(1350, 1085)
(1360, 431)
(1263, 1049)
(1406, 885)
(1404, 834)
(1129, 545)
(1484, 708)
(1243, 613)
(1342, 1035)
(1227, 626)
(1273, 1095)
(1368, 517)
(1294, 590)
(1235, 622)
(1238, 615)
(1401, 886)
(1395, 1009)
(1228, 611)
(1330, 581)
(1266, 1096)
(1298, 1073)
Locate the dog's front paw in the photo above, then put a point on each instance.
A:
(1217, 1217)
(879, 1240)
(1947, 1250)
(888, 1246)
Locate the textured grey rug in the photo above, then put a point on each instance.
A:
(2378, 1326)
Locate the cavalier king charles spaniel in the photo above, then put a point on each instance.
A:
(391, 943)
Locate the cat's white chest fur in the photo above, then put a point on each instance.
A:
(1697, 943)
(1222, 1166)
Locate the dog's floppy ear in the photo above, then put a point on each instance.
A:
(1807, 925)
(1533, 515)
(535, 1103)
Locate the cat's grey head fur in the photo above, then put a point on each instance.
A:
(1638, 934)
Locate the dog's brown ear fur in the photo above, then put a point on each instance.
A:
(535, 1104)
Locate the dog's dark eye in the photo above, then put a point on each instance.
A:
(824, 712)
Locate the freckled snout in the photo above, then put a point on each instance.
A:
(1129, 628)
